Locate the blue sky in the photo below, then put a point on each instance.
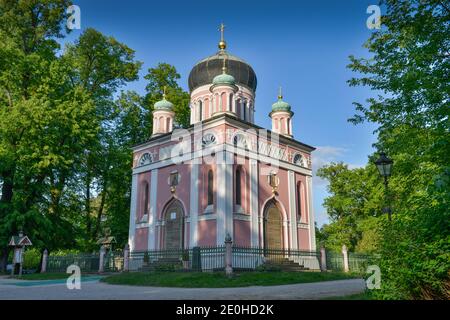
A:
(300, 45)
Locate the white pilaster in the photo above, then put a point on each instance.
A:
(312, 229)
(133, 206)
(286, 234)
(224, 195)
(247, 111)
(293, 210)
(254, 208)
(229, 197)
(153, 210)
(194, 196)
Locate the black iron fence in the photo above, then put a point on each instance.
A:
(113, 261)
(213, 259)
(86, 262)
(357, 262)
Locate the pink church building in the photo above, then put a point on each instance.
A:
(223, 175)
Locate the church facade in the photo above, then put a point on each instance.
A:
(223, 175)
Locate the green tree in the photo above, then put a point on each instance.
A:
(101, 65)
(165, 76)
(355, 198)
(27, 53)
(410, 66)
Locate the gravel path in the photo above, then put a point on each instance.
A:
(95, 290)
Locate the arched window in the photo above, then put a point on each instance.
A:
(210, 187)
(230, 102)
(238, 189)
(200, 111)
(245, 112)
(299, 199)
(146, 203)
(223, 102)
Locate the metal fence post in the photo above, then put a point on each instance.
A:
(126, 258)
(44, 261)
(228, 255)
(101, 260)
(345, 255)
(323, 259)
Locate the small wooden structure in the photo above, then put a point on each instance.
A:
(107, 242)
(18, 243)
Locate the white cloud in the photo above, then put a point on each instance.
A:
(322, 156)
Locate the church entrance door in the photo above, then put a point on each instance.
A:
(174, 226)
(273, 227)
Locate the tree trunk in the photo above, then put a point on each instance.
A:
(88, 203)
(7, 188)
(100, 213)
(3, 258)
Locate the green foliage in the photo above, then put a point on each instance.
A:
(165, 75)
(268, 268)
(356, 196)
(146, 257)
(410, 65)
(65, 142)
(186, 255)
(167, 267)
(31, 259)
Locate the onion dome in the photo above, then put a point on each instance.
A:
(281, 105)
(164, 104)
(204, 72)
(224, 78)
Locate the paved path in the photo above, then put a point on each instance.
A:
(92, 289)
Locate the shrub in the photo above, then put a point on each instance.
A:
(268, 268)
(31, 259)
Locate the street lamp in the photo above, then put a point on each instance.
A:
(384, 166)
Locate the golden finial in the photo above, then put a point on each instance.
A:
(222, 43)
(280, 94)
(224, 67)
(164, 92)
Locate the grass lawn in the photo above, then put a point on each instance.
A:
(359, 296)
(45, 276)
(219, 280)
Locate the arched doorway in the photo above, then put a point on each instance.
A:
(273, 226)
(174, 226)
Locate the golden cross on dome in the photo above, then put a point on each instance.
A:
(222, 30)
(280, 94)
(222, 43)
(164, 91)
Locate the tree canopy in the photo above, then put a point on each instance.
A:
(409, 66)
(67, 128)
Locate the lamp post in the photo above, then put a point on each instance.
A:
(384, 166)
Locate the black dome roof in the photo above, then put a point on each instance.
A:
(205, 71)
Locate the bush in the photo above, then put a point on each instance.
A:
(268, 268)
(167, 267)
(31, 259)
(66, 252)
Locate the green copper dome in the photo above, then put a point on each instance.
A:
(224, 79)
(280, 105)
(163, 105)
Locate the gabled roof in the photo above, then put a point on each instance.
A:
(17, 241)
